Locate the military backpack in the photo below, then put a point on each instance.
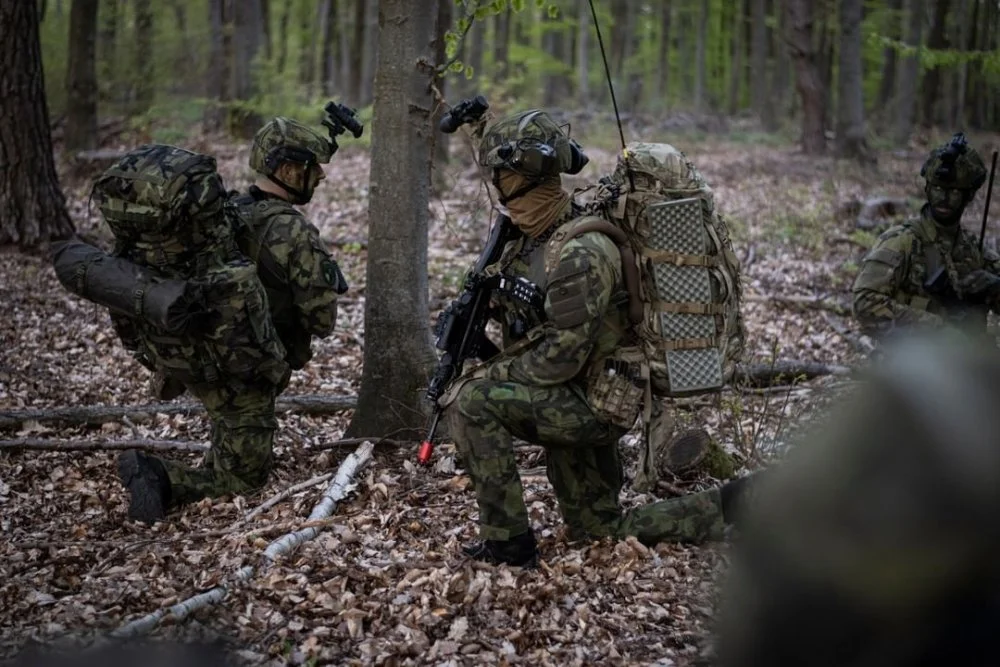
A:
(164, 206)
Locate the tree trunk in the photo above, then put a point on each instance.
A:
(248, 36)
(217, 76)
(760, 76)
(32, 206)
(930, 91)
(81, 78)
(501, 44)
(440, 139)
(182, 57)
(265, 27)
(701, 76)
(398, 355)
(327, 15)
(308, 31)
(738, 72)
(108, 79)
(358, 50)
(887, 86)
(851, 136)
(143, 56)
(371, 52)
(807, 78)
(906, 102)
(663, 58)
(282, 47)
(957, 118)
(556, 85)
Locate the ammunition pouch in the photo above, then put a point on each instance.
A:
(616, 387)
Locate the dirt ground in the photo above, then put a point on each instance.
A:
(385, 584)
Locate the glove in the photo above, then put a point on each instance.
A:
(980, 283)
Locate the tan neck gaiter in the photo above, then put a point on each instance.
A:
(537, 210)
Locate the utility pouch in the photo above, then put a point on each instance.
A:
(616, 388)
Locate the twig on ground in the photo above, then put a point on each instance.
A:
(60, 445)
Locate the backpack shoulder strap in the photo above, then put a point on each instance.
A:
(630, 269)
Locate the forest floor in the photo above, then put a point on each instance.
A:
(386, 583)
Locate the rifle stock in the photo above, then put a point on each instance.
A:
(461, 327)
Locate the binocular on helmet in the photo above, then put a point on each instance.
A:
(467, 111)
(339, 118)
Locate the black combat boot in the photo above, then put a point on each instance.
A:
(519, 551)
(147, 482)
(736, 497)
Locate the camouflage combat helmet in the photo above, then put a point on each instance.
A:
(283, 139)
(531, 144)
(955, 165)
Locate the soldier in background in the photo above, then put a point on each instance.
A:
(929, 271)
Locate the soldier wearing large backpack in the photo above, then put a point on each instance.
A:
(176, 245)
(558, 360)
(929, 271)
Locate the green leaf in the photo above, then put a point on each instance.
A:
(469, 72)
(553, 12)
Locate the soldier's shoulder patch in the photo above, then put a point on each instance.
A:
(333, 276)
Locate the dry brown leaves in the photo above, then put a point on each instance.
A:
(385, 585)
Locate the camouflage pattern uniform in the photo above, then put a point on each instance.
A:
(539, 395)
(929, 271)
(302, 282)
(537, 389)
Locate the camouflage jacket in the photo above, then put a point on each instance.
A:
(584, 315)
(896, 286)
(301, 278)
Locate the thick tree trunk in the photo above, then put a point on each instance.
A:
(807, 79)
(930, 92)
(909, 72)
(143, 56)
(32, 206)
(81, 78)
(851, 135)
(398, 355)
(248, 37)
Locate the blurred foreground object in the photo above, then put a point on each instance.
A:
(876, 541)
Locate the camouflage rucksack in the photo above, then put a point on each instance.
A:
(690, 329)
(164, 206)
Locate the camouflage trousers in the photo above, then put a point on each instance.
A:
(583, 467)
(239, 461)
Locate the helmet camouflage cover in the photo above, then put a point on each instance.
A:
(955, 165)
(283, 139)
(529, 142)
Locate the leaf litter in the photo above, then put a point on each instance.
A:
(385, 584)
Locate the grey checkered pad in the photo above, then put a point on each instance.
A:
(677, 226)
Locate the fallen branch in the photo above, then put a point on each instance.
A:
(307, 404)
(336, 492)
(783, 371)
(800, 301)
(58, 445)
(278, 497)
(344, 442)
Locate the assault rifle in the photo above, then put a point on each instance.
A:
(461, 327)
